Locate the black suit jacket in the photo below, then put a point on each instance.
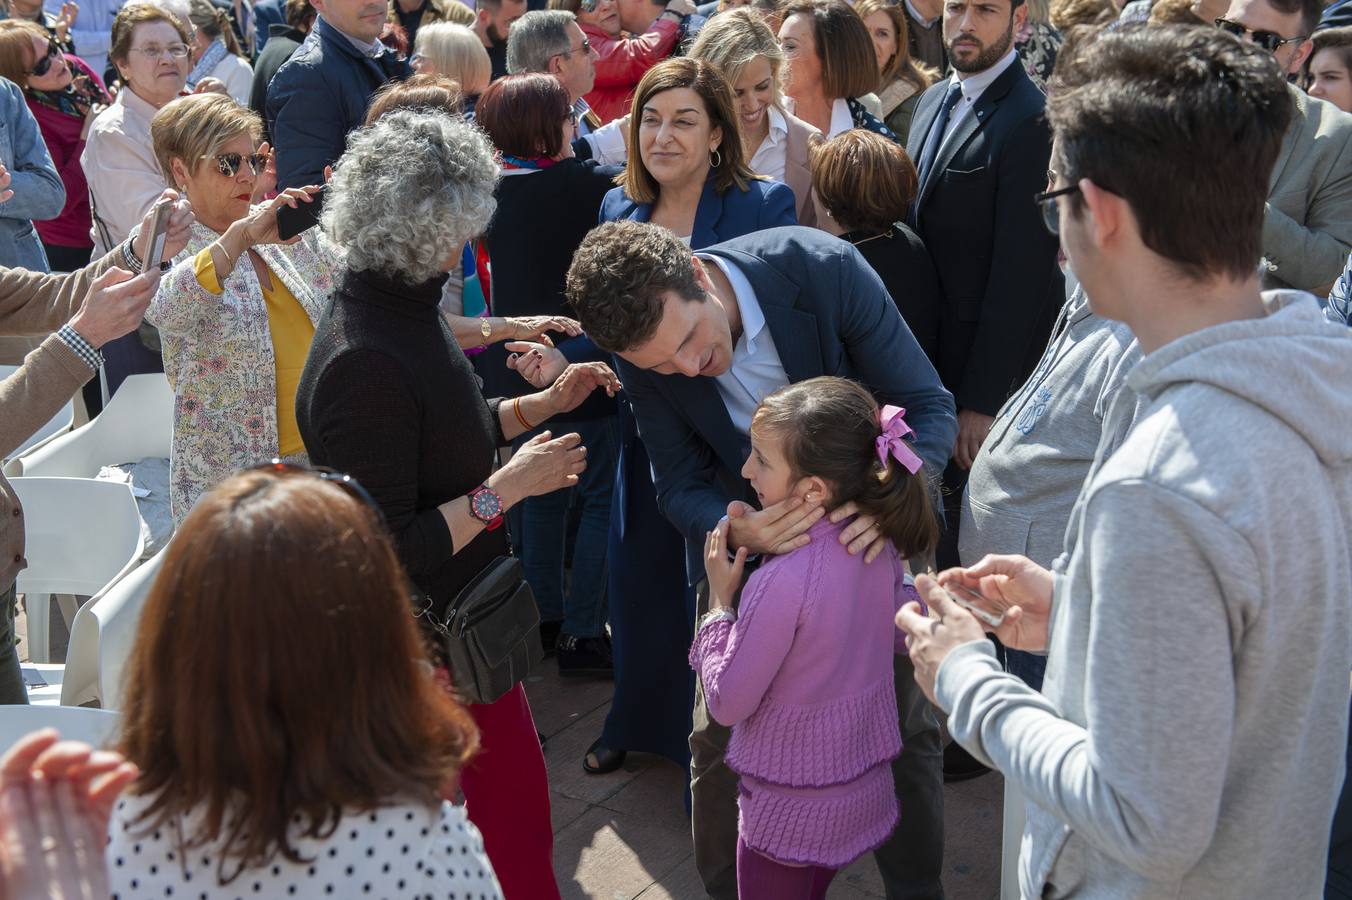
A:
(995, 258)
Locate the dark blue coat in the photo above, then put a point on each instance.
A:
(317, 97)
(829, 314)
(765, 204)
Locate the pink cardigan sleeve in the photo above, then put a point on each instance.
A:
(737, 661)
(622, 61)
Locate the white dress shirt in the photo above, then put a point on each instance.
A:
(120, 166)
(772, 155)
(841, 120)
(973, 86)
(756, 369)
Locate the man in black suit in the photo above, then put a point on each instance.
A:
(981, 146)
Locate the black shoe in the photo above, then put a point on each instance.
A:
(601, 759)
(959, 765)
(549, 636)
(583, 656)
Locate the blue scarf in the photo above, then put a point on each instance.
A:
(207, 64)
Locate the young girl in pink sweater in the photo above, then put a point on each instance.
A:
(801, 668)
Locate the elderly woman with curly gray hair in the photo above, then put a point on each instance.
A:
(388, 397)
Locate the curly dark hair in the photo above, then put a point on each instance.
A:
(619, 279)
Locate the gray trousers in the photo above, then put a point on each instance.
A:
(911, 862)
(12, 691)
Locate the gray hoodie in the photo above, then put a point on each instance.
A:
(1191, 740)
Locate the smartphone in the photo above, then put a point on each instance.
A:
(975, 603)
(293, 220)
(158, 233)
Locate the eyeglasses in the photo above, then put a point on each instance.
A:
(351, 486)
(44, 65)
(154, 51)
(415, 59)
(584, 48)
(571, 117)
(589, 6)
(228, 163)
(1268, 40)
(1046, 201)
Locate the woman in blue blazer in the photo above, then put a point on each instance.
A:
(689, 174)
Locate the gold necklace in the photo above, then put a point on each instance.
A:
(885, 234)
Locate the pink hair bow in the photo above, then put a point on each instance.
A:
(892, 439)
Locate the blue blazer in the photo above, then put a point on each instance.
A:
(829, 314)
(719, 217)
(317, 97)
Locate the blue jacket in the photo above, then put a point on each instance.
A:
(719, 217)
(38, 191)
(317, 97)
(828, 314)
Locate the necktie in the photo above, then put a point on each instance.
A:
(935, 139)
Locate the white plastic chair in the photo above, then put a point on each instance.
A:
(137, 422)
(62, 421)
(80, 537)
(93, 726)
(101, 639)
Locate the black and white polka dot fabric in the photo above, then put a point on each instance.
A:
(409, 851)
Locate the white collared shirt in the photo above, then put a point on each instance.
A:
(973, 86)
(772, 155)
(365, 48)
(841, 119)
(607, 142)
(756, 369)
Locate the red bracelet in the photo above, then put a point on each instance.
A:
(516, 408)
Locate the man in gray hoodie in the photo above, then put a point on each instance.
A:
(1190, 738)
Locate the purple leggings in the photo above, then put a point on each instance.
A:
(759, 876)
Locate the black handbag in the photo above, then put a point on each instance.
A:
(491, 632)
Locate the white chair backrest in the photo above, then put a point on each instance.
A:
(101, 639)
(80, 535)
(93, 726)
(62, 421)
(137, 422)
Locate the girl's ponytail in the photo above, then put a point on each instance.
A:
(830, 428)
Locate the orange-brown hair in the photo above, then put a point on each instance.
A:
(16, 48)
(425, 91)
(902, 65)
(712, 88)
(225, 717)
(844, 48)
(865, 180)
(828, 427)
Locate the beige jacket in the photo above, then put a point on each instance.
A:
(119, 164)
(33, 303)
(798, 175)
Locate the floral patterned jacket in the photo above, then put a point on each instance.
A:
(218, 357)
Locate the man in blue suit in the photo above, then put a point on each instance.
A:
(699, 341)
(322, 91)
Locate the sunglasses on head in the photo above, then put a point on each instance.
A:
(44, 65)
(228, 163)
(349, 485)
(1268, 40)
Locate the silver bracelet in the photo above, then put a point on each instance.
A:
(722, 614)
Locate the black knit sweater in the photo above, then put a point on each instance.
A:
(388, 397)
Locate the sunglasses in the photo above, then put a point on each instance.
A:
(349, 485)
(44, 65)
(585, 47)
(228, 163)
(589, 6)
(1047, 204)
(1268, 40)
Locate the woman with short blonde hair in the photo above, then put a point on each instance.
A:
(776, 143)
(456, 52)
(236, 312)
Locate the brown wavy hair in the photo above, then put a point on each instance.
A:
(902, 64)
(277, 673)
(708, 82)
(828, 427)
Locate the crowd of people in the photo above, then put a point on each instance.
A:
(832, 377)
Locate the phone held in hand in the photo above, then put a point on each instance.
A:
(975, 603)
(294, 220)
(159, 231)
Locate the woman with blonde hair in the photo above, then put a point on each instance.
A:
(272, 773)
(455, 51)
(775, 142)
(216, 53)
(236, 312)
(901, 78)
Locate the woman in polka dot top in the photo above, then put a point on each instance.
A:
(290, 737)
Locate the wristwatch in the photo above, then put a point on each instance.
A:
(486, 505)
(486, 329)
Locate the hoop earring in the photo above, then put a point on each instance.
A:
(716, 158)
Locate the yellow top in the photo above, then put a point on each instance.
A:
(292, 333)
